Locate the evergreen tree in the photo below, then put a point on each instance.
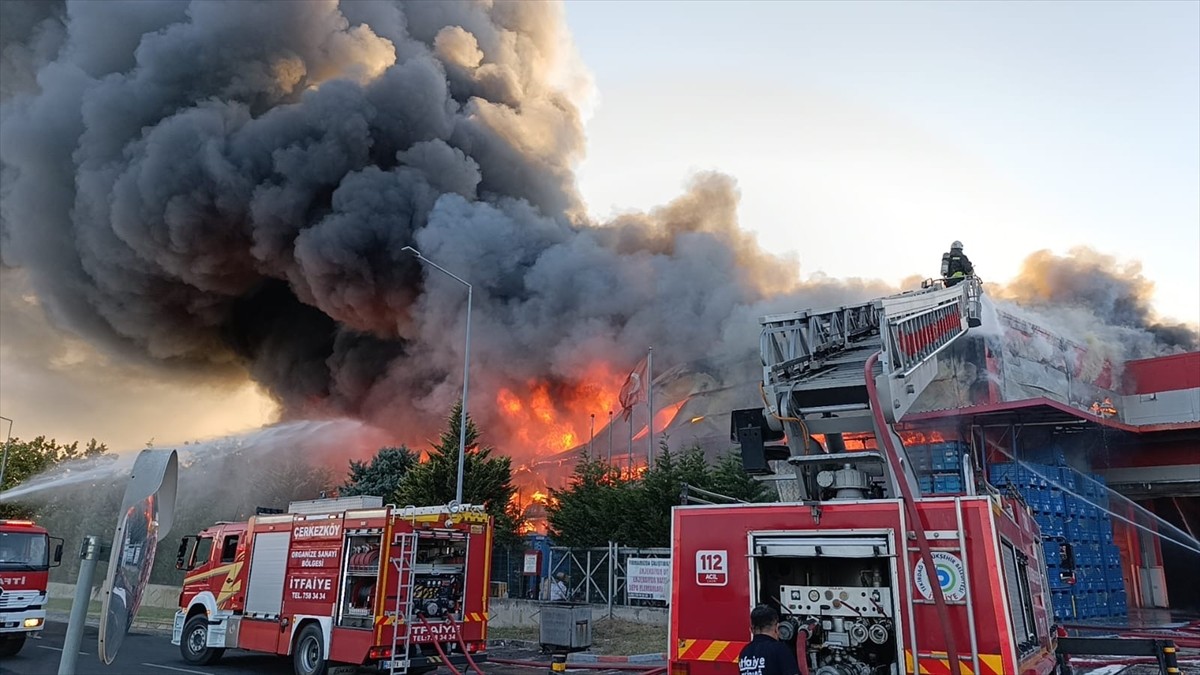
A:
(382, 475)
(660, 491)
(487, 478)
(596, 507)
(600, 505)
(729, 478)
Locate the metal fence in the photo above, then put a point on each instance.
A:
(601, 575)
(593, 575)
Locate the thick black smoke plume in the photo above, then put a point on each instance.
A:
(222, 187)
(1114, 294)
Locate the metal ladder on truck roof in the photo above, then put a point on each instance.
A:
(405, 564)
(953, 542)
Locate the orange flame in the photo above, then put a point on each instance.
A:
(547, 417)
(553, 417)
(662, 418)
(911, 438)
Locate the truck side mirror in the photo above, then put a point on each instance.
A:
(58, 551)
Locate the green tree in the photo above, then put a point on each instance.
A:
(487, 478)
(382, 475)
(595, 507)
(600, 505)
(660, 491)
(27, 459)
(729, 478)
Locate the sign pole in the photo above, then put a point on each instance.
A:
(83, 592)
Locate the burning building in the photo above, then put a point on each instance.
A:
(191, 194)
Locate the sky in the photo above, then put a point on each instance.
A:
(865, 137)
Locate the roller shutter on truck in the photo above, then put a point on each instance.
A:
(268, 565)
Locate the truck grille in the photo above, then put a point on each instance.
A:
(19, 599)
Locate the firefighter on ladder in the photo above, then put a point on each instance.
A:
(956, 266)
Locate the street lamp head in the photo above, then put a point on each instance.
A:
(409, 249)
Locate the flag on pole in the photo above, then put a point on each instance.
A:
(633, 391)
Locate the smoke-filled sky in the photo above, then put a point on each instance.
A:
(203, 205)
(867, 135)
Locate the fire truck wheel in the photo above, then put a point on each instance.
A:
(309, 655)
(193, 645)
(11, 645)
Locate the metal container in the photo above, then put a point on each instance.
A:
(566, 626)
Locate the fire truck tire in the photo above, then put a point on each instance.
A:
(11, 645)
(308, 658)
(193, 645)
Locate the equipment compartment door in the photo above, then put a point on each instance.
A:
(837, 592)
(267, 567)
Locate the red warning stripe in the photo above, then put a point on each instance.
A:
(710, 650)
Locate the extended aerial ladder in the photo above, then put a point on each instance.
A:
(815, 381)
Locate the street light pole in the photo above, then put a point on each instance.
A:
(462, 425)
(7, 442)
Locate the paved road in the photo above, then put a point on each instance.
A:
(141, 654)
(153, 654)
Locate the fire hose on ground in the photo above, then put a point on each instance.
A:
(630, 667)
(442, 653)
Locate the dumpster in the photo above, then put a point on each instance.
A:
(565, 626)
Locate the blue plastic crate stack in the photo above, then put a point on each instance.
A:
(938, 467)
(1099, 589)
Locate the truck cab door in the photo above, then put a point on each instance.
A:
(198, 566)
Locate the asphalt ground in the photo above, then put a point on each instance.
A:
(151, 653)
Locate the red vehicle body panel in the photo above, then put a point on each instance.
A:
(24, 581)
(23, 590)
(316, 561)
(710, 623)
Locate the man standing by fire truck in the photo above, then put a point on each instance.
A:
(766, 654)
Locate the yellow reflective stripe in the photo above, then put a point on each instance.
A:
(684, 646)
(993, 662)
(714, 650)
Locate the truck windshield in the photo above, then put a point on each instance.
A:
(24, 550)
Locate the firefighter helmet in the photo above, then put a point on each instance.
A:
(956, 246)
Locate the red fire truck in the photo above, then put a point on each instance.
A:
(869, 577)
(855, 599)
(25, 563)
(340, 581)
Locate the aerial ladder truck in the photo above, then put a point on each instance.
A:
(869, 576)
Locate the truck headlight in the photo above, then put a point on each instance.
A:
(33, 623)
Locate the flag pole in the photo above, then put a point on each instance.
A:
(631, 445)
(650, 404)
(610, 426)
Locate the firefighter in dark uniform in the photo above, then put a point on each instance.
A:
(956, 266)
(766, 654)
